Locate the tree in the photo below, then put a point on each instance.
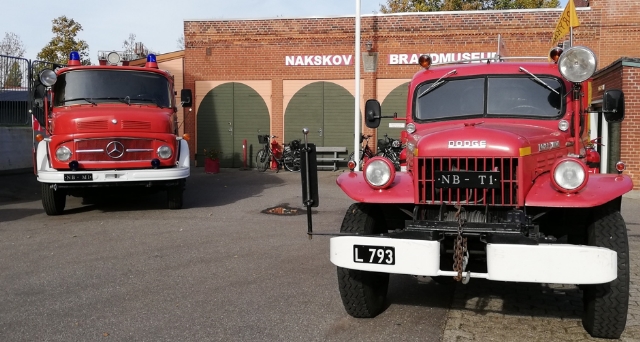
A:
(11, 45)
(394, 6)
(64, 41)
(14, 77)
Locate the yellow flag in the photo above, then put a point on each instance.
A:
(568, 19)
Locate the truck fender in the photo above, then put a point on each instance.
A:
(42, 157)
(184, 156)
(600, 189)
(354, 186)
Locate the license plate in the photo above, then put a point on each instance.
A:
(468, 179)
(374, 254)
(76, 177)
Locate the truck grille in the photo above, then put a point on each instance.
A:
(428, 191)
(102, 149)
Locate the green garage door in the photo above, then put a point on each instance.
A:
(326, 109)
(395, 102)
(227, 115)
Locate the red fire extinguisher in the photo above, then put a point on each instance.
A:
(275, 152)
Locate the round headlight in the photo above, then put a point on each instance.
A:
(164, 152)
(48, 77)
(379, 172)
(577, 64)
(411, 127)
(569, 175)
(63, 153)
(113, 58)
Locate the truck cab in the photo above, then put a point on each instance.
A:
(109, 126)
(501, 183)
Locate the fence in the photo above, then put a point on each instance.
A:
(17, 77)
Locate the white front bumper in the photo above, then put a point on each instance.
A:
(142, 175)
(544, 263)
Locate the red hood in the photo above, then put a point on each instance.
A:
(487, 140)
(112, 118)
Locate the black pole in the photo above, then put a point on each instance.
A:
(308, 201)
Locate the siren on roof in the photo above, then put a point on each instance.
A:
(74, 59)
(151, 61)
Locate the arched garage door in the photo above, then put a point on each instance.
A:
(395, 102)
(227, 115)
(326, 109)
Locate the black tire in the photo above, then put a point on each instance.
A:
(262, 160)
(363, 293)
(291, 161)
(606, 305)
(175, 195)
(53, 201)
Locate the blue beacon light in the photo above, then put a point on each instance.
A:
(74, 58)
(151, 61)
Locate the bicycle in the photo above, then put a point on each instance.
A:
(290, 158)
(366, 152)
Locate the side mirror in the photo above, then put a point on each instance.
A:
(372, 113)
(185, 98)
(613, 105)
(39, 92)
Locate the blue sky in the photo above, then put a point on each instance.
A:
(158, 24)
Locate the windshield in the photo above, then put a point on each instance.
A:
(100, 86)
(490, 97)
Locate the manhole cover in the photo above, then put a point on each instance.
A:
(284, 210)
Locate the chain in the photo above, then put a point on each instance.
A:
(459, 248)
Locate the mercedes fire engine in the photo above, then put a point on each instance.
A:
(109, 125)
(500, 184)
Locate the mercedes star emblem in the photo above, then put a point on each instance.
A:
(115, 149)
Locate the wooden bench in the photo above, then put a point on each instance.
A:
(334, 160)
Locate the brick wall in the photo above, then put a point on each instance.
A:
(256, 49)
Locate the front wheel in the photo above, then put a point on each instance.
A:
(291, 161)
(606, 305)
(262, 160)
(175, 195)
(363, 293)
(53, 199)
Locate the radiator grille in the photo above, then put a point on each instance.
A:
(96, 149)
(428, 193)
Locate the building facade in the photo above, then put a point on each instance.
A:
(277, 76)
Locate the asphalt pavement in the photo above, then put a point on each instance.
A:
(124, 268)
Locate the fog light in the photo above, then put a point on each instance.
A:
(155, 163)
(74, 165)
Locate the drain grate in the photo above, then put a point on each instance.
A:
(284, 210)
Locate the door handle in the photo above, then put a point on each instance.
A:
(320, 132)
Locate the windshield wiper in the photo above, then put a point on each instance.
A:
(80, 98)
(539, 80)
(149, 100)
(437, 83)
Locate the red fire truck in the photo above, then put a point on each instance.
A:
(501, 184)
(109, 126)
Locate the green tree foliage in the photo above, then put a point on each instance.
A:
(64, 41)
(395, 6)
(14, 76)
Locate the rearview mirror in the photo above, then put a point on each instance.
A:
(613, 105)
(372, 113)
(185, 97)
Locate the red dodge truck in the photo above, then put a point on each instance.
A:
(500, 184)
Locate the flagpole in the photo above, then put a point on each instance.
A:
(356, 124)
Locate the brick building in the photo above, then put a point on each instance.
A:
(253, 77)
